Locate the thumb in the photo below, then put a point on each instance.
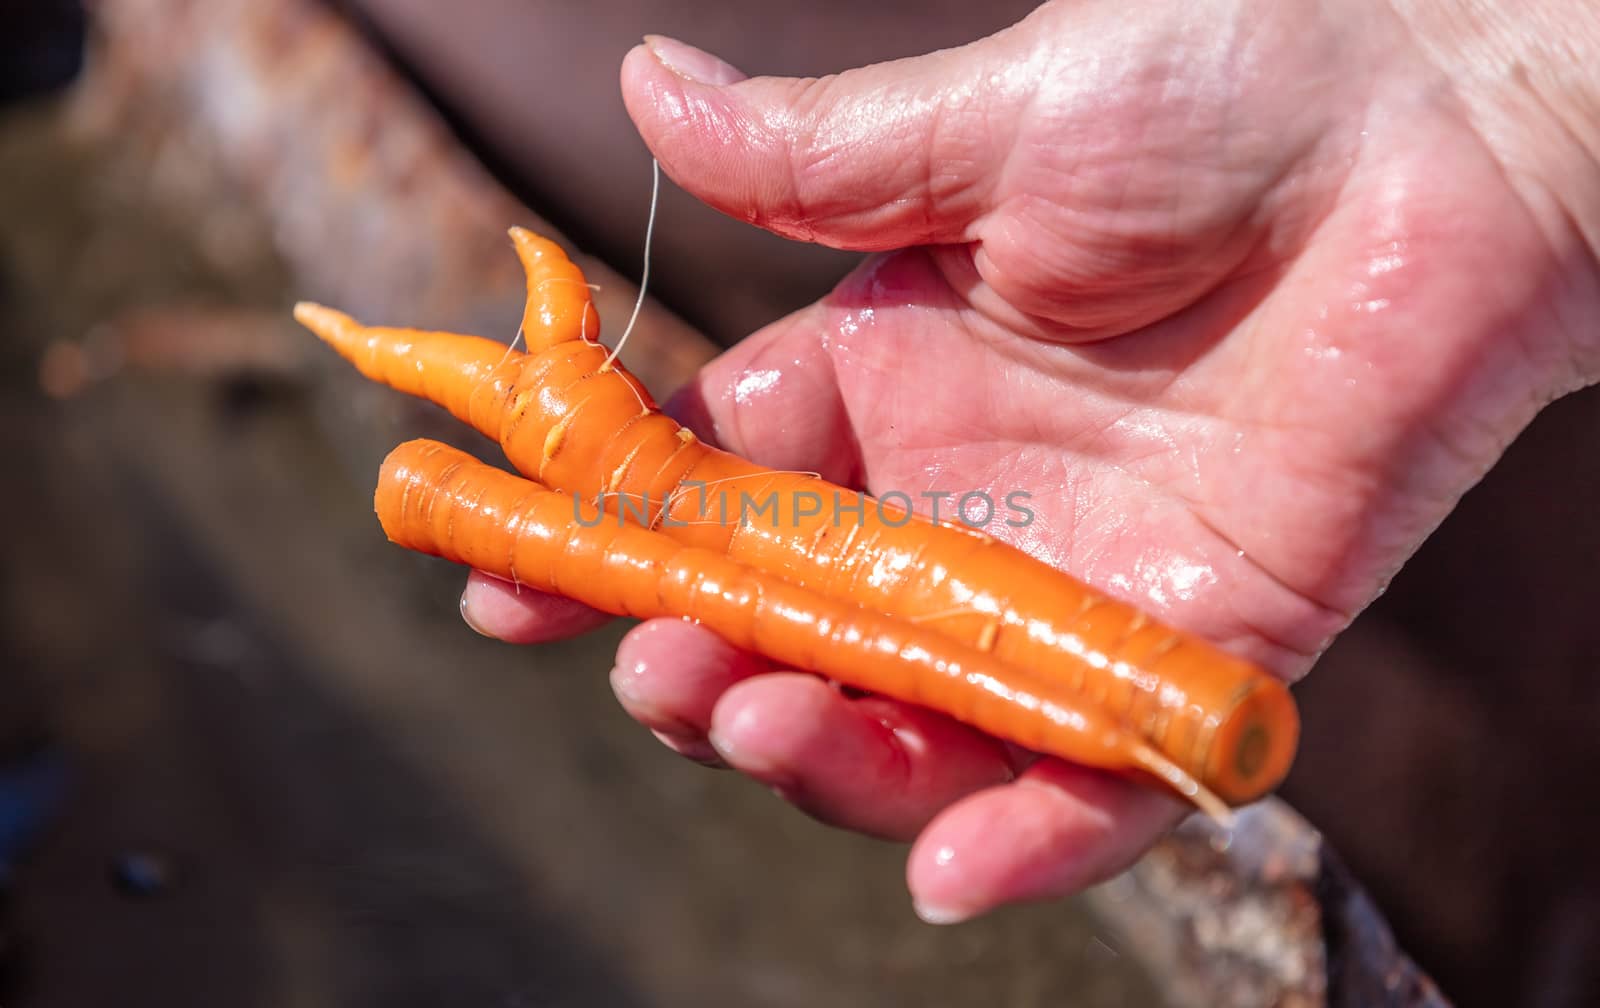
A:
(885, 156)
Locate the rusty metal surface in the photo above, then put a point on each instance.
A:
(1227, 916)
(1261, 912)
(280, 126)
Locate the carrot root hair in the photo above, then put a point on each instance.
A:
(1175, 777)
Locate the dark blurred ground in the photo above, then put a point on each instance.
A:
(347, 798)
(43, 48)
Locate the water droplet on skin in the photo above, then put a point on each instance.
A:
(1390, 261)
(1319, 349)
(1168, 578)
(851, 323)
(1187, 579)
(753, 384)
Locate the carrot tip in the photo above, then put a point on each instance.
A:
(315, 316)
(330, 325)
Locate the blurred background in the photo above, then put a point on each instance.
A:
(249, 755)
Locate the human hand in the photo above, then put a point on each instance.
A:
(1245, 293)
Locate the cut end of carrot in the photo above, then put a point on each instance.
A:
(1255, 744)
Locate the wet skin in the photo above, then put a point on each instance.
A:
(1246, 294)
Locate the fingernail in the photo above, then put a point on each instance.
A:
(788, 789)
(672, 732)
(466, 615)
(934, 914)
(744, 724)
(624, 685)
(720, 743)
(690, 747)
(690, 63)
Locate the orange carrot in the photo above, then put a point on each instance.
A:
(438, 500)
(568, 417)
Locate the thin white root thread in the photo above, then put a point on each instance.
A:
(1215, 808)
(512, 346)
(644, 275)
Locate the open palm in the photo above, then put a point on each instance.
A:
(1236, 291)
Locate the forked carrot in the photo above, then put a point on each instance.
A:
(573, 420)
(438, 500)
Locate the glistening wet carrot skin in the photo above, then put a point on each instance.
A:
(572, 420)
(438, 500)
